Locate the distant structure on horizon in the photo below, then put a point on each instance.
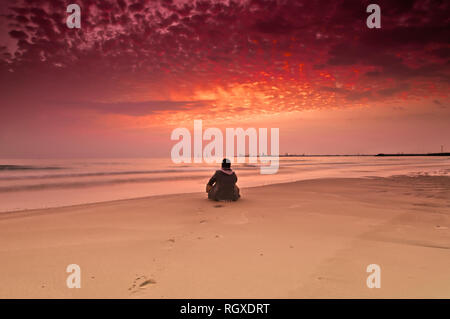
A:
(425, 154)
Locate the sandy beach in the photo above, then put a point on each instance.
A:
(307, 239)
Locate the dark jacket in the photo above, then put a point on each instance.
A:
(223, 185)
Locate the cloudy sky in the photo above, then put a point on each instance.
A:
(136, 69)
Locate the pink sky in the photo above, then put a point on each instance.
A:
(137, 69)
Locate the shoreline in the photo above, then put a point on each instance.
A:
(24, 211)
(165, 195)
(103, 181)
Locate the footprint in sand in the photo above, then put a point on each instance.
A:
(141, 282)
(168, 244)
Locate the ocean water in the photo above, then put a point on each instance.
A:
(30, 184)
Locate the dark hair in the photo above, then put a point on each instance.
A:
(226, 164)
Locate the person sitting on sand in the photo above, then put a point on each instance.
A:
(222, 186)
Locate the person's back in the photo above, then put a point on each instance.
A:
(222, 185)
